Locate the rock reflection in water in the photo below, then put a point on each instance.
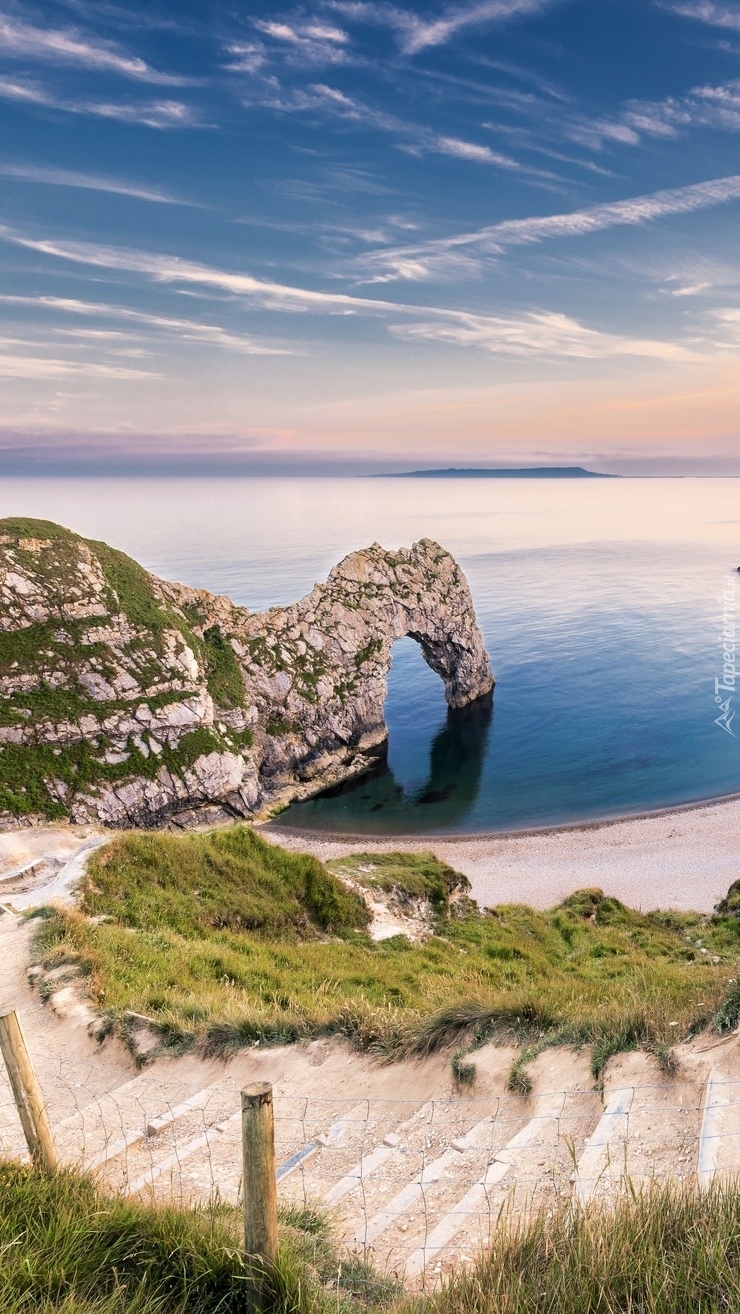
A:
(377, 803)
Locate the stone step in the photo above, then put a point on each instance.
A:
(213, 1156)
(664, 1130)
(422, 1138)
(369, 1163)
(323, 1142)
(606, 1141)
(647, 1134)
(100, 1129)
(476, 1199)
(170, 1166)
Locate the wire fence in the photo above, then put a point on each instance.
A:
(415, 1186)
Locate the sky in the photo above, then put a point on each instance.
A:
(360, 235)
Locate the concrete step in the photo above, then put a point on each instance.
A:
(400, 1204)
(100, 1130)
(719, 1133)
(533, 1164)
(605, 1147)
(423, 1137)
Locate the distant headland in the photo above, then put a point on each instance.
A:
(501, 472)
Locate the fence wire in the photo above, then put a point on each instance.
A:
(413, 1186)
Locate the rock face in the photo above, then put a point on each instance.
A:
(129, 700)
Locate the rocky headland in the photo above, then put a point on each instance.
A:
(131, 701)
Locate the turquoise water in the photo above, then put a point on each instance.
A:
(599, 604)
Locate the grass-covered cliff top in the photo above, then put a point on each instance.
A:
(86, 638)
(223, 939)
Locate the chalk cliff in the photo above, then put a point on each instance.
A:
(131, 701)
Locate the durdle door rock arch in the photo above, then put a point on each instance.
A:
(129, 700)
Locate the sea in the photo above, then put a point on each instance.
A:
(601, 603)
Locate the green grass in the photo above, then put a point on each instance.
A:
(227, 879)
(223, 672)
(666, 1252)
(65, 1248)
(226, 940)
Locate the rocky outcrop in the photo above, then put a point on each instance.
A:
(129, 700)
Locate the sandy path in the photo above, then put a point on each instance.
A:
(685, 859)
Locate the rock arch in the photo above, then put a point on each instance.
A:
(335, 645)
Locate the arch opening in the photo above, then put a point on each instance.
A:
(415, 713)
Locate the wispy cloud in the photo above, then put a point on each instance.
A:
(161, 114)
(468, 150)
(690, 289)
(729, 320)
(416, 33)
(33, 173)
(412, 137)
(19, 39)
(706, 106)
(494, 239)
(14, 366)
(541, 333)
(538, 334)
(706, 11)
(304, 43)
(172, 269)
(185, 330)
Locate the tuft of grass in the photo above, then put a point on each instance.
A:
(66, 1248)
(65, 1245)
(225, 940)
(463, 1071)
(224, 676)
(224, 880)
(667, 1250)
(519, 1081)
(728, 1014)
(406, 875)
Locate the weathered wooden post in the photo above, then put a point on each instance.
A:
(260, 1188)
(26, 1091)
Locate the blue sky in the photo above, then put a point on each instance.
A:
(359, 233)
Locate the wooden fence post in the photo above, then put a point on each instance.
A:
(26, 1091)
(260, 1187)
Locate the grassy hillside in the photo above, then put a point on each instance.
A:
(225, 939)
(65, 1248)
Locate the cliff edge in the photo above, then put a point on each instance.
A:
(128, 700)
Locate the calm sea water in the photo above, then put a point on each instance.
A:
(599, 602)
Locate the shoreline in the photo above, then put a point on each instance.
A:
(683, 858)
(467, 836)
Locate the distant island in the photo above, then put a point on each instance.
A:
(501, 472)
